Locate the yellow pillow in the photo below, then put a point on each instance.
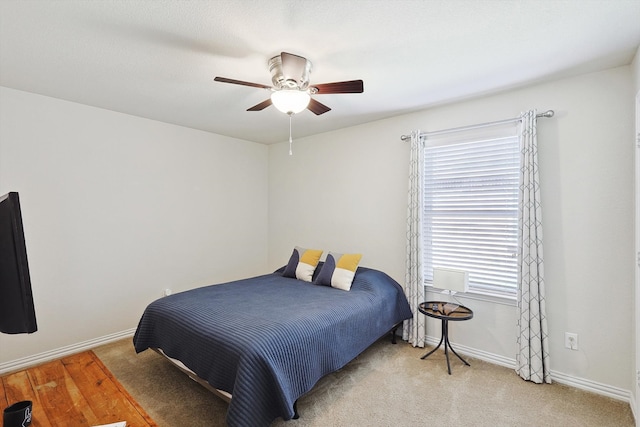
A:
(339, 270)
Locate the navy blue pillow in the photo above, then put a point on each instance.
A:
(326, 271)
(290, 268)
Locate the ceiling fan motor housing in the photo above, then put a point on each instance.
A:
(299, 80)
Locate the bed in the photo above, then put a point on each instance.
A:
(267, 340)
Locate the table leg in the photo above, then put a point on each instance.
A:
(445, 334)
(438, 346)
(447, 345)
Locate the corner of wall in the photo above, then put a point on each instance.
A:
(635, 400)
(635, 69)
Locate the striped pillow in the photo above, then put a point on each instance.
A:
(302, 264)
(339, 270)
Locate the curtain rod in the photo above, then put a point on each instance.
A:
(546, 114)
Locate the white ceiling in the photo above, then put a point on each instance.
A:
(157, 59)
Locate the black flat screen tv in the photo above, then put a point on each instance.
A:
(17, 312)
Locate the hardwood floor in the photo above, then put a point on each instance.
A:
(75, 391)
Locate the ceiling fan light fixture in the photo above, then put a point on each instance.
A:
(290, 101)
(291, 92)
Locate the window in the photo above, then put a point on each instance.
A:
(471, 207)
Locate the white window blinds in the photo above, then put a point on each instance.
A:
(471, 208)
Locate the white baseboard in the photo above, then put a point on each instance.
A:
(592, 386)
(36, 359)
(478, 354)
(581, 383)
(559, 377)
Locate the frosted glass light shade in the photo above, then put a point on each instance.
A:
(290, 101)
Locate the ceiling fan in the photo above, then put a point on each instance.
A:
(291, 91)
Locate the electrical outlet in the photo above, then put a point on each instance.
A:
(571, 340)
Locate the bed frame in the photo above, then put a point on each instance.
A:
(227, 396)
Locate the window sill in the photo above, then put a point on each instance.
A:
(495, 299)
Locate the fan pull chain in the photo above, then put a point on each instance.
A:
(290, 138)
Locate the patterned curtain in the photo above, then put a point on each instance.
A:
(532, 358)
(413, 330)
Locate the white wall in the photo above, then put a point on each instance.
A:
(117, 208)
(346, 191)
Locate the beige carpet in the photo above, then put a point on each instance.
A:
(388, 385)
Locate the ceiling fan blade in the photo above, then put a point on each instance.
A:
(351, 86)
(240, 82)
(293, 66)
(259, 107)
(317, 108)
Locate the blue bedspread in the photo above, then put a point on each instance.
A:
(267, 340)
